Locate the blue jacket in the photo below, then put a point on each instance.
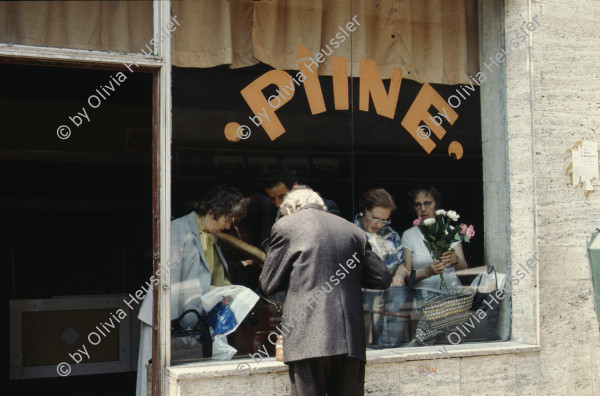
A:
(190, 277)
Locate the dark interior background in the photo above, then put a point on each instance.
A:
(75, 214)
(339, 153)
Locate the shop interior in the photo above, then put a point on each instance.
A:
(76, 213)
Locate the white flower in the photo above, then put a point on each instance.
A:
(452, 215)
(440, 212)
(429, 222)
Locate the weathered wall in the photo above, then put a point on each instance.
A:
(558, 107)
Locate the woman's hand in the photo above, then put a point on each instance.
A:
(401, 273)
(436, 268)
(398, 280)
(449, 258)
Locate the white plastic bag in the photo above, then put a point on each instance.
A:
(221, 350)
(241, 303)
(489, 282)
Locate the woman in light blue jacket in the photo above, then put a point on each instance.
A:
(197, 265)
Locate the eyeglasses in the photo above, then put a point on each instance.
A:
(378, 222)
(425, 204)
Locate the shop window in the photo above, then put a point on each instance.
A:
(393, 107)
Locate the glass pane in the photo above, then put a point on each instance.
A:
(417, 130)
(261, 129)
(372, 112)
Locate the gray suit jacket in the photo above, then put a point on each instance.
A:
(322, 261)
(190, 277)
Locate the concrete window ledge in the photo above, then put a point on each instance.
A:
(216, 369)
(224, 369)
(455, 351)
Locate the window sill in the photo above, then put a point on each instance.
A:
(455, 351)
(270, 365)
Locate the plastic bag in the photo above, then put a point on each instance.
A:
(241, 303)
(484, 283)
(220, 318)
(220, 349)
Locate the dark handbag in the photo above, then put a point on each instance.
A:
(393, 327)
(190, 344)
(486, 327)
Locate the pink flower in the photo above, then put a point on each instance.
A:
(417, 221)
(463, 228)
(470, 231)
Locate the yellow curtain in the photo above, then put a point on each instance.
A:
(117, 26)
(433, 41)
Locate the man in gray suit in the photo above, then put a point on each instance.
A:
(321, 261)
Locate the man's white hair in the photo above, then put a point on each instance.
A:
(299, 197)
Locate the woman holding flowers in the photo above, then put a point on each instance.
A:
(434, 277)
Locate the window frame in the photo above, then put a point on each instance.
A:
(159, 64)
(508, 186)
(503, 208)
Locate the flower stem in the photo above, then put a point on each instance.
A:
(443, 281)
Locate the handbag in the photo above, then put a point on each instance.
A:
(486, 328)
(393, 325)
(190, 344)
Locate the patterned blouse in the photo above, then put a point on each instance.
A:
(387, 244)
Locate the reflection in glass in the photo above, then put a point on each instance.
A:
(344, 109)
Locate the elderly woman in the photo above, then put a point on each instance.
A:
(425, 200)
(196, 266)
(376, 206)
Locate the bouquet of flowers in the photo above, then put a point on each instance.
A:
(441, 232)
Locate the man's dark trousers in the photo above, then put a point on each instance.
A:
(332, 375)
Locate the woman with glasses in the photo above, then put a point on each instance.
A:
(424, 201)
(376, 206)
(197, 264)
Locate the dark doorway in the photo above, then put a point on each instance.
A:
(75, 223)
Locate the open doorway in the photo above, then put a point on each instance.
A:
(76, 224)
